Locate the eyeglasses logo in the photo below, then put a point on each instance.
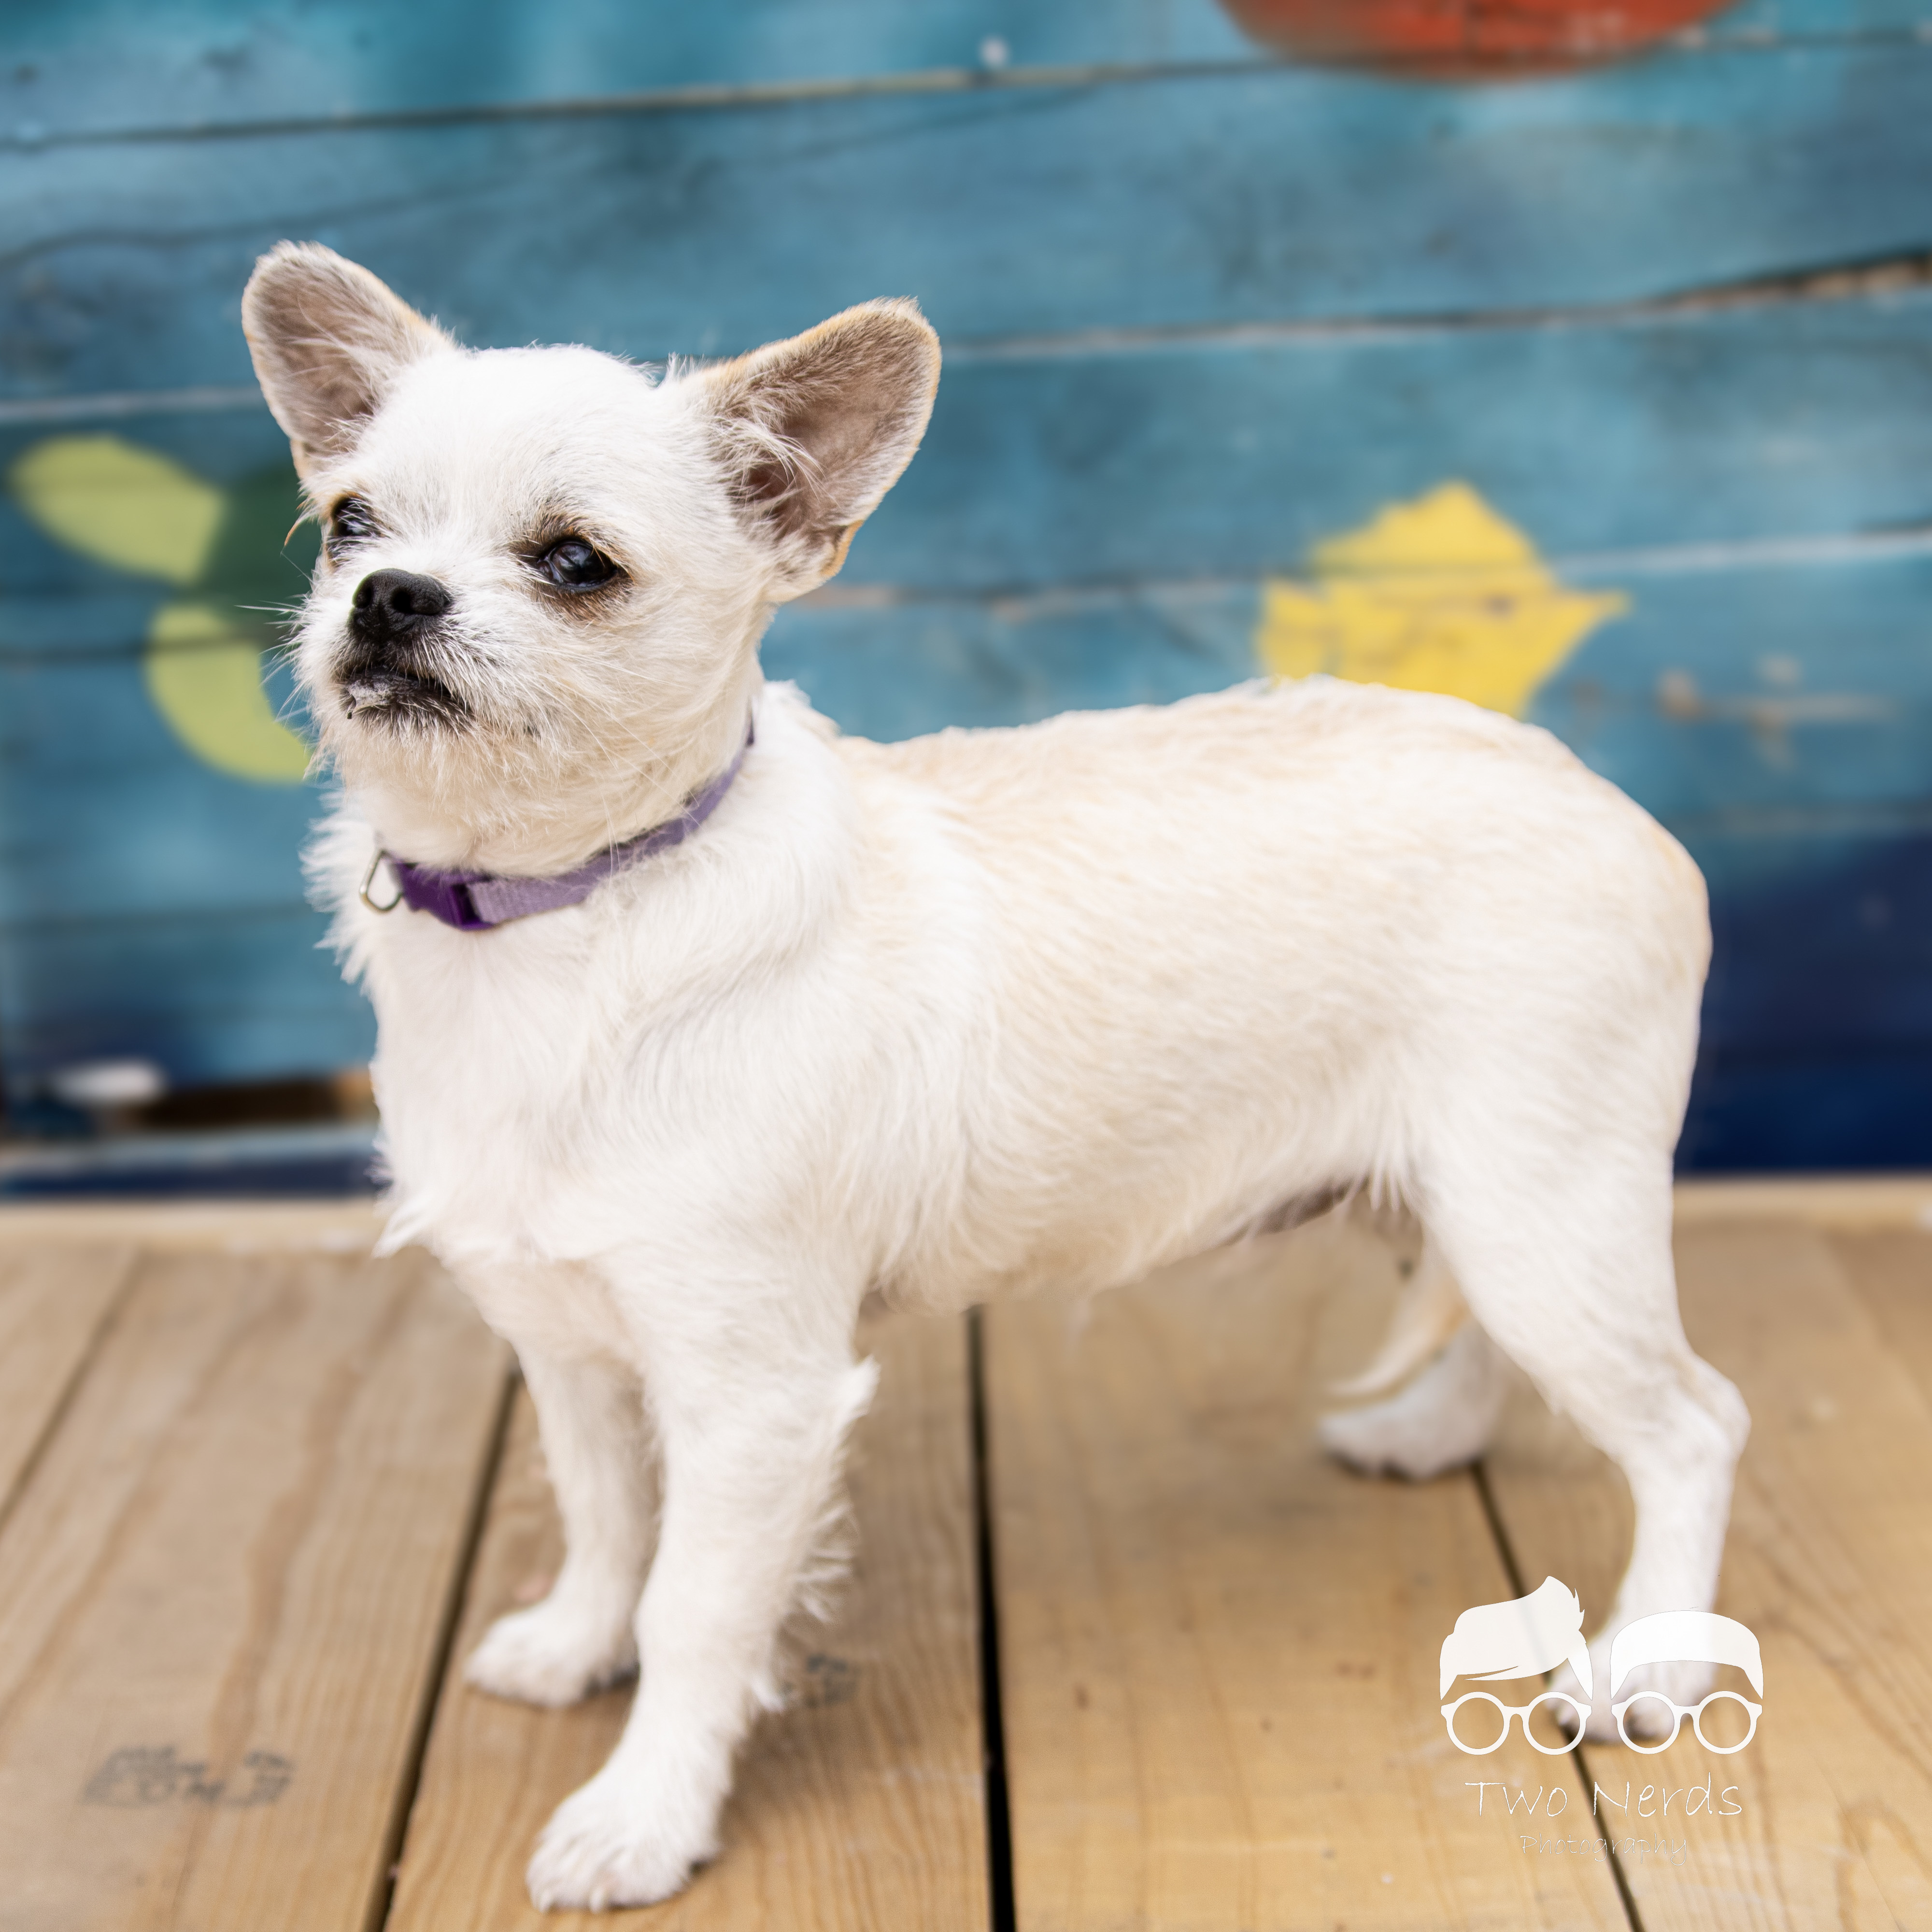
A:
(1527, 1636)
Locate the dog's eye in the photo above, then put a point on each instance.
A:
(576, 565)
(349, 522)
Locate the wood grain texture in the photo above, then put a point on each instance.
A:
(89, 70)
(1829, 1561)
(863, 1807)
(1725, 441)
(84, 70)
(1890, 1270)
(1231, 461)
(338, 1228)
(1185, 199)
(1218, 1650)
(221, 1595)
(106, 64)
(1202, 308)
(1847, 1204)
(53, 1307)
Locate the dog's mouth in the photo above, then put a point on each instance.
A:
(387, 693)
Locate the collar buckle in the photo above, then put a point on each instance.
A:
(375, 865)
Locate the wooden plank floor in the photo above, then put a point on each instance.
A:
(1829, 1560)
(258, 1494)
(1219, 1649)
(223, 1587)
(866, 1806)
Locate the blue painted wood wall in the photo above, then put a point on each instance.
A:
(1205, 311)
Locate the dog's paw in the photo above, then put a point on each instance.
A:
(1397, 1438)
(1647, 1720)
(552, 1655)
(607, 1845)
(1564, 1683)
(1441, 1420)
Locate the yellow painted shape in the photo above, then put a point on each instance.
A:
(141, 512)
(1440, 594)
(205, 676)
(120, 504)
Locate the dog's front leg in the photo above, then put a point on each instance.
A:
(580, 1637)
(750, 1424)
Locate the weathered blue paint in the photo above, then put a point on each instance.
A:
(212, 994)
(1202, 311)
(94, 67)
(1804, 420)
(1812, 680)
(1786, 421)
(1183, 202)
(115, 64)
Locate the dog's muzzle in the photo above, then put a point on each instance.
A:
(390, 664)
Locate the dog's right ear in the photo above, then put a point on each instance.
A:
(812, 432)
(328, 339)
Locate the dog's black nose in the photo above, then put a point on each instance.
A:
(392, 603)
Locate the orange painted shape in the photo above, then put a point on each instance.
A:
(1440, 40)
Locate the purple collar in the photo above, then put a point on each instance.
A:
(475, 902)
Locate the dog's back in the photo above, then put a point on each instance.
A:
(1393, 904)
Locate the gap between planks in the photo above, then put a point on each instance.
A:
(221, 1586)
(1219, 1649)
(410, 1781)
(1828, 1559)
(56, 1309)
(1178, 1574)
(862, 1807)
(699, 97)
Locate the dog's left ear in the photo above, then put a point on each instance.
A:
(813, 432)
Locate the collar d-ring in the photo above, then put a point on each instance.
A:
(369, 879)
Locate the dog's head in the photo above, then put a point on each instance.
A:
(534, 627)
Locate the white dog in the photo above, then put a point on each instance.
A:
(945, 1019)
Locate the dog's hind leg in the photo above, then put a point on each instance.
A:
(751, 1407)
(580, 1637)
(1442, 1419)
(1566, 1262)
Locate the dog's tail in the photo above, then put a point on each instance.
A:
(1430, 1312)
